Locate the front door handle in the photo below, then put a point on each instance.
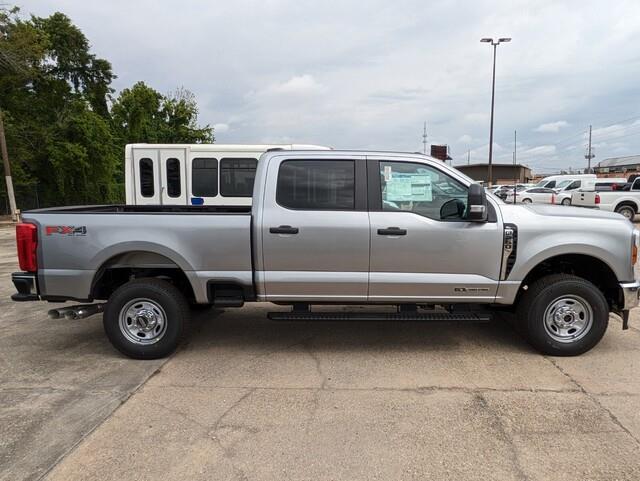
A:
(392, 231)
(283, 229)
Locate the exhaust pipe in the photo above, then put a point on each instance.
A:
(77, 312)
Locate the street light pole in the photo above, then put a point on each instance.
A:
(493, 93)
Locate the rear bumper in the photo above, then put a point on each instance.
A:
(630, 293)
(25, 284)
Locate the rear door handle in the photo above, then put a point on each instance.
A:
(283, 229)
(392, 231)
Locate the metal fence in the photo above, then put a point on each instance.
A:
(29, 197)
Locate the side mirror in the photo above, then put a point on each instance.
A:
(452, 209)
(476, 204)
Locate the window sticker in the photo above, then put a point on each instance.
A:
(409, 187)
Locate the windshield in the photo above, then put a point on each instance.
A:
(564, 183)
(542, 183)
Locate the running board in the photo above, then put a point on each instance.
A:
(379, 316)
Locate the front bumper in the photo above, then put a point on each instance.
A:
(630, 294)
(25, 283)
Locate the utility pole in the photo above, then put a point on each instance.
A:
(515, 179)
(468, 156)
(7, 169)
(424, 138)
(589, 155)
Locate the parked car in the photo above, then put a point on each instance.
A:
(506, 192)
(538, 195)
(335, 227)
(625, 202)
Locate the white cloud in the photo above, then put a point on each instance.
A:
(357, 77)
(298, 85)
(476, 118)
(552, 127)
(220, 128)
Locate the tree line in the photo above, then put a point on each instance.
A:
(65, 129)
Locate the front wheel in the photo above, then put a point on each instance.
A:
(146, 318)
(526, 201)
(566, 201)
(563, 315)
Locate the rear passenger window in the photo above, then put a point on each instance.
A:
(204, 177)
(316, 184)
(146, 177)
(173, 177)
(237, 176)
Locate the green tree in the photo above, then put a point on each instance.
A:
(62, 135)
(141, 114)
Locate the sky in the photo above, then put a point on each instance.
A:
(367, 74)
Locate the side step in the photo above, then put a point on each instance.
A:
(379, 316)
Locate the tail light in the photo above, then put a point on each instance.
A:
(597, 199)
(27, 240)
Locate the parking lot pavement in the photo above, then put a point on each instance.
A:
(249, 398)
(58, 379)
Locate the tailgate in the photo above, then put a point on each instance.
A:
(583, 198)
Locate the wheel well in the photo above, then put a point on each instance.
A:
(134, 265)
(627, 203)
(590, 268)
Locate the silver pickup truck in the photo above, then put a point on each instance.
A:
(343, 228)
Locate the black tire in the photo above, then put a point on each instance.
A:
(566, 201)
(161, 293)
(545, 293)
(626, 210)
(526, 201)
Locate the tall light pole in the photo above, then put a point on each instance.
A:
(493, 92)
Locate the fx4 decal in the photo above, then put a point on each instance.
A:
(67, 230)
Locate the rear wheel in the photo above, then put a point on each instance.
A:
(563, 315)
(566, 201)
(146, 318)
(626, 210)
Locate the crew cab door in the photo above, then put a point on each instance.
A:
(418, 256)
(315, 229)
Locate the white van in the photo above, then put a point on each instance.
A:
(194, 174)
(562, 181)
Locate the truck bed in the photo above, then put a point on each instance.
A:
(76, 244)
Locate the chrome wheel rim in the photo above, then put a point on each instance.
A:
(568, 319)
(526, 201)
(143, 321)
(628, 213)
(566, 202)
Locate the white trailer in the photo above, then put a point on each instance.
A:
(194, 174)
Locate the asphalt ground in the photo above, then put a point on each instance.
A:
(252, 399)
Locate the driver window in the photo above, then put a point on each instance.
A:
(423, 190)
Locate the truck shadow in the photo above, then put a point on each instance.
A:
(250, 327)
